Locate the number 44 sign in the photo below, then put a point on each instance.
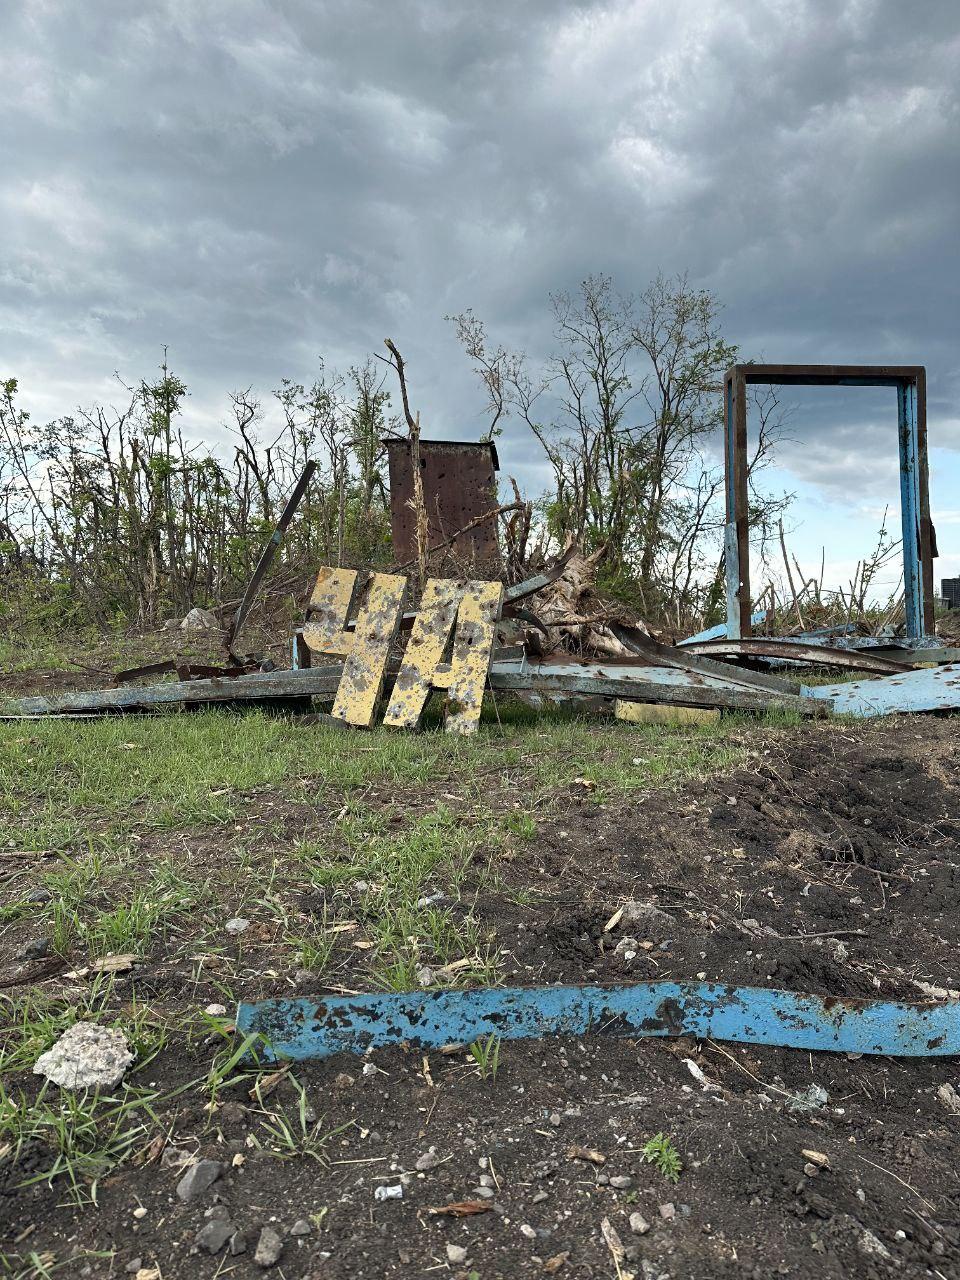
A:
(464, 610)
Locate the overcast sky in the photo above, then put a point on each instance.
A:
(254, 182)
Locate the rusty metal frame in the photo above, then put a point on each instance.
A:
(910, 382)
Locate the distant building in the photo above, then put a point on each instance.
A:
(950, 590)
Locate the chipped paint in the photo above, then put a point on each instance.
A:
(301, 1029)
(366, 663)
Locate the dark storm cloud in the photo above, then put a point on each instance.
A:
(254, 183)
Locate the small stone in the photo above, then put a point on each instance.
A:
(810, 1170)
(134, 1265)
(899, 1235)
(456, 1253)
(484, 1193)
(216, 1010)
(528, 1231)
(302, 1227)
(269, 1248)
(237, 925)
(238, 1244)
(39, 896)
(872, 1246)
(200, 620)
(638, 1224)
(86, 1056)
(343, 1080)
(668, 1211)
(389, 1193)
(949, 1097)
(809, 1099)
(140, 1211)
(647, 914)
(199, 1178)
(540, 1197)
(35, 949)
(621, 1181)
(429, 1160)
(425, 976)
(212, 1237)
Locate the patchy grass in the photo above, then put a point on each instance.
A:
(148, 833)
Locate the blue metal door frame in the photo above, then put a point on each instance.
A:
(910, 384)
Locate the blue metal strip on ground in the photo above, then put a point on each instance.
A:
(927, 689)
(300, 1029)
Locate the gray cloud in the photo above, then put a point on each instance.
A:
(257, 181)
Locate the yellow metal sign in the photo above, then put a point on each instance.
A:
(455, 616)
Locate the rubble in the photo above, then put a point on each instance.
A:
(87, 1056)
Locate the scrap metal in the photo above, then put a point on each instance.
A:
(923, 689)
(919, 543)
(796, 649)
(459, 493)
(302, 1028)
(267, 554)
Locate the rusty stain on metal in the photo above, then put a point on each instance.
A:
(459, 486)
(796, 650)
(302, 1028)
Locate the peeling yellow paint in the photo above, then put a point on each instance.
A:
(366, 662)
(328, 610)
(472, 649)
(423, 655)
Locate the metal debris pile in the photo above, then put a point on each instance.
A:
(549, 637)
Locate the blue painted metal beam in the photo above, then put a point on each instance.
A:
(909, 445)
(301, 1029)
(927, 689)
(719, 632)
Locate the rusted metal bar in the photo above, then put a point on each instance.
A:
(688, 659)
(268, 552)
(797, 651)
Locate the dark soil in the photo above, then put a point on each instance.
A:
(831, 865)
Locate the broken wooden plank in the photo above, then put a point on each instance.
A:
(260, 687)
(641, 684)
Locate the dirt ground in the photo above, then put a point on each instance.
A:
(829, 863)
